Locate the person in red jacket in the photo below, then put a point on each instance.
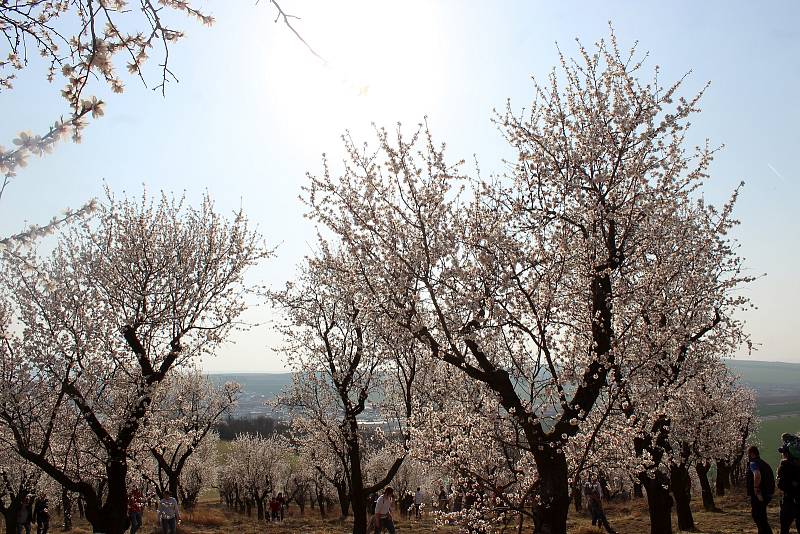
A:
(274, 509)
(135, 505)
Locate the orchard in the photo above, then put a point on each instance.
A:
(522, 337)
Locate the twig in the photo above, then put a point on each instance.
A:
(285, 16)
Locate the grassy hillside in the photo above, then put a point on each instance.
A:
(778, 387)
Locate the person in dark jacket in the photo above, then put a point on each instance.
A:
(41, 513)
(281, 505)
(25, 515)
(789, 484)
(594, 494)
(760, 488)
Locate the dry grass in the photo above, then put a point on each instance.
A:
(627, 518)
(205, 517)
(631, 517)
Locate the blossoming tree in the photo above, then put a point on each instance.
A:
(184, 412)
(102, 321)
(345, 357)
(255, 465)
(531, 283)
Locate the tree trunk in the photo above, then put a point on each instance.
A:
(10, 515)
(344, 498)
(705, 487)
(680, 484)
(174, 482)
(723, 477)
(358, 500)
(359, 505)
(637, 490)
(112, 516)
(551, 509)
(66, 506)
(737, 472)
(260, 509)
(321, 503)
(659, 502)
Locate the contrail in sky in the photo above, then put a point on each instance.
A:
(776, 172)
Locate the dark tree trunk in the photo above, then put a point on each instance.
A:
(680, 484)
(344, 499)
(705, 487)
(637, 490)
(112, 516)
(723, 481)
(659, 502)
(16, 495)
(174, 482)
(358, 498)
(737, 472)
(66, 506)
(10, 515)
(322, 505)
(260, 509)
(173, 472)
(551, 509)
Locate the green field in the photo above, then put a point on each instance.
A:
(772, 407)
(769, 435)
(777, 386)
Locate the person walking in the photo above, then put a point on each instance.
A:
(168, 513)
(458, 499)
(273, 509)
(593, 491)
(25, 515)
(406, 504)
(281, 505)
(442, 500)
(760, 488)
(789, 483)
(383, 511)
(418, 498)
(135, 505)
(41, 513)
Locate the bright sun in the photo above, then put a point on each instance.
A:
(383, 64)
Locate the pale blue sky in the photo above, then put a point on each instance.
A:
(254, 111)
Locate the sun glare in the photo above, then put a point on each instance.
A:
(382, 64)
